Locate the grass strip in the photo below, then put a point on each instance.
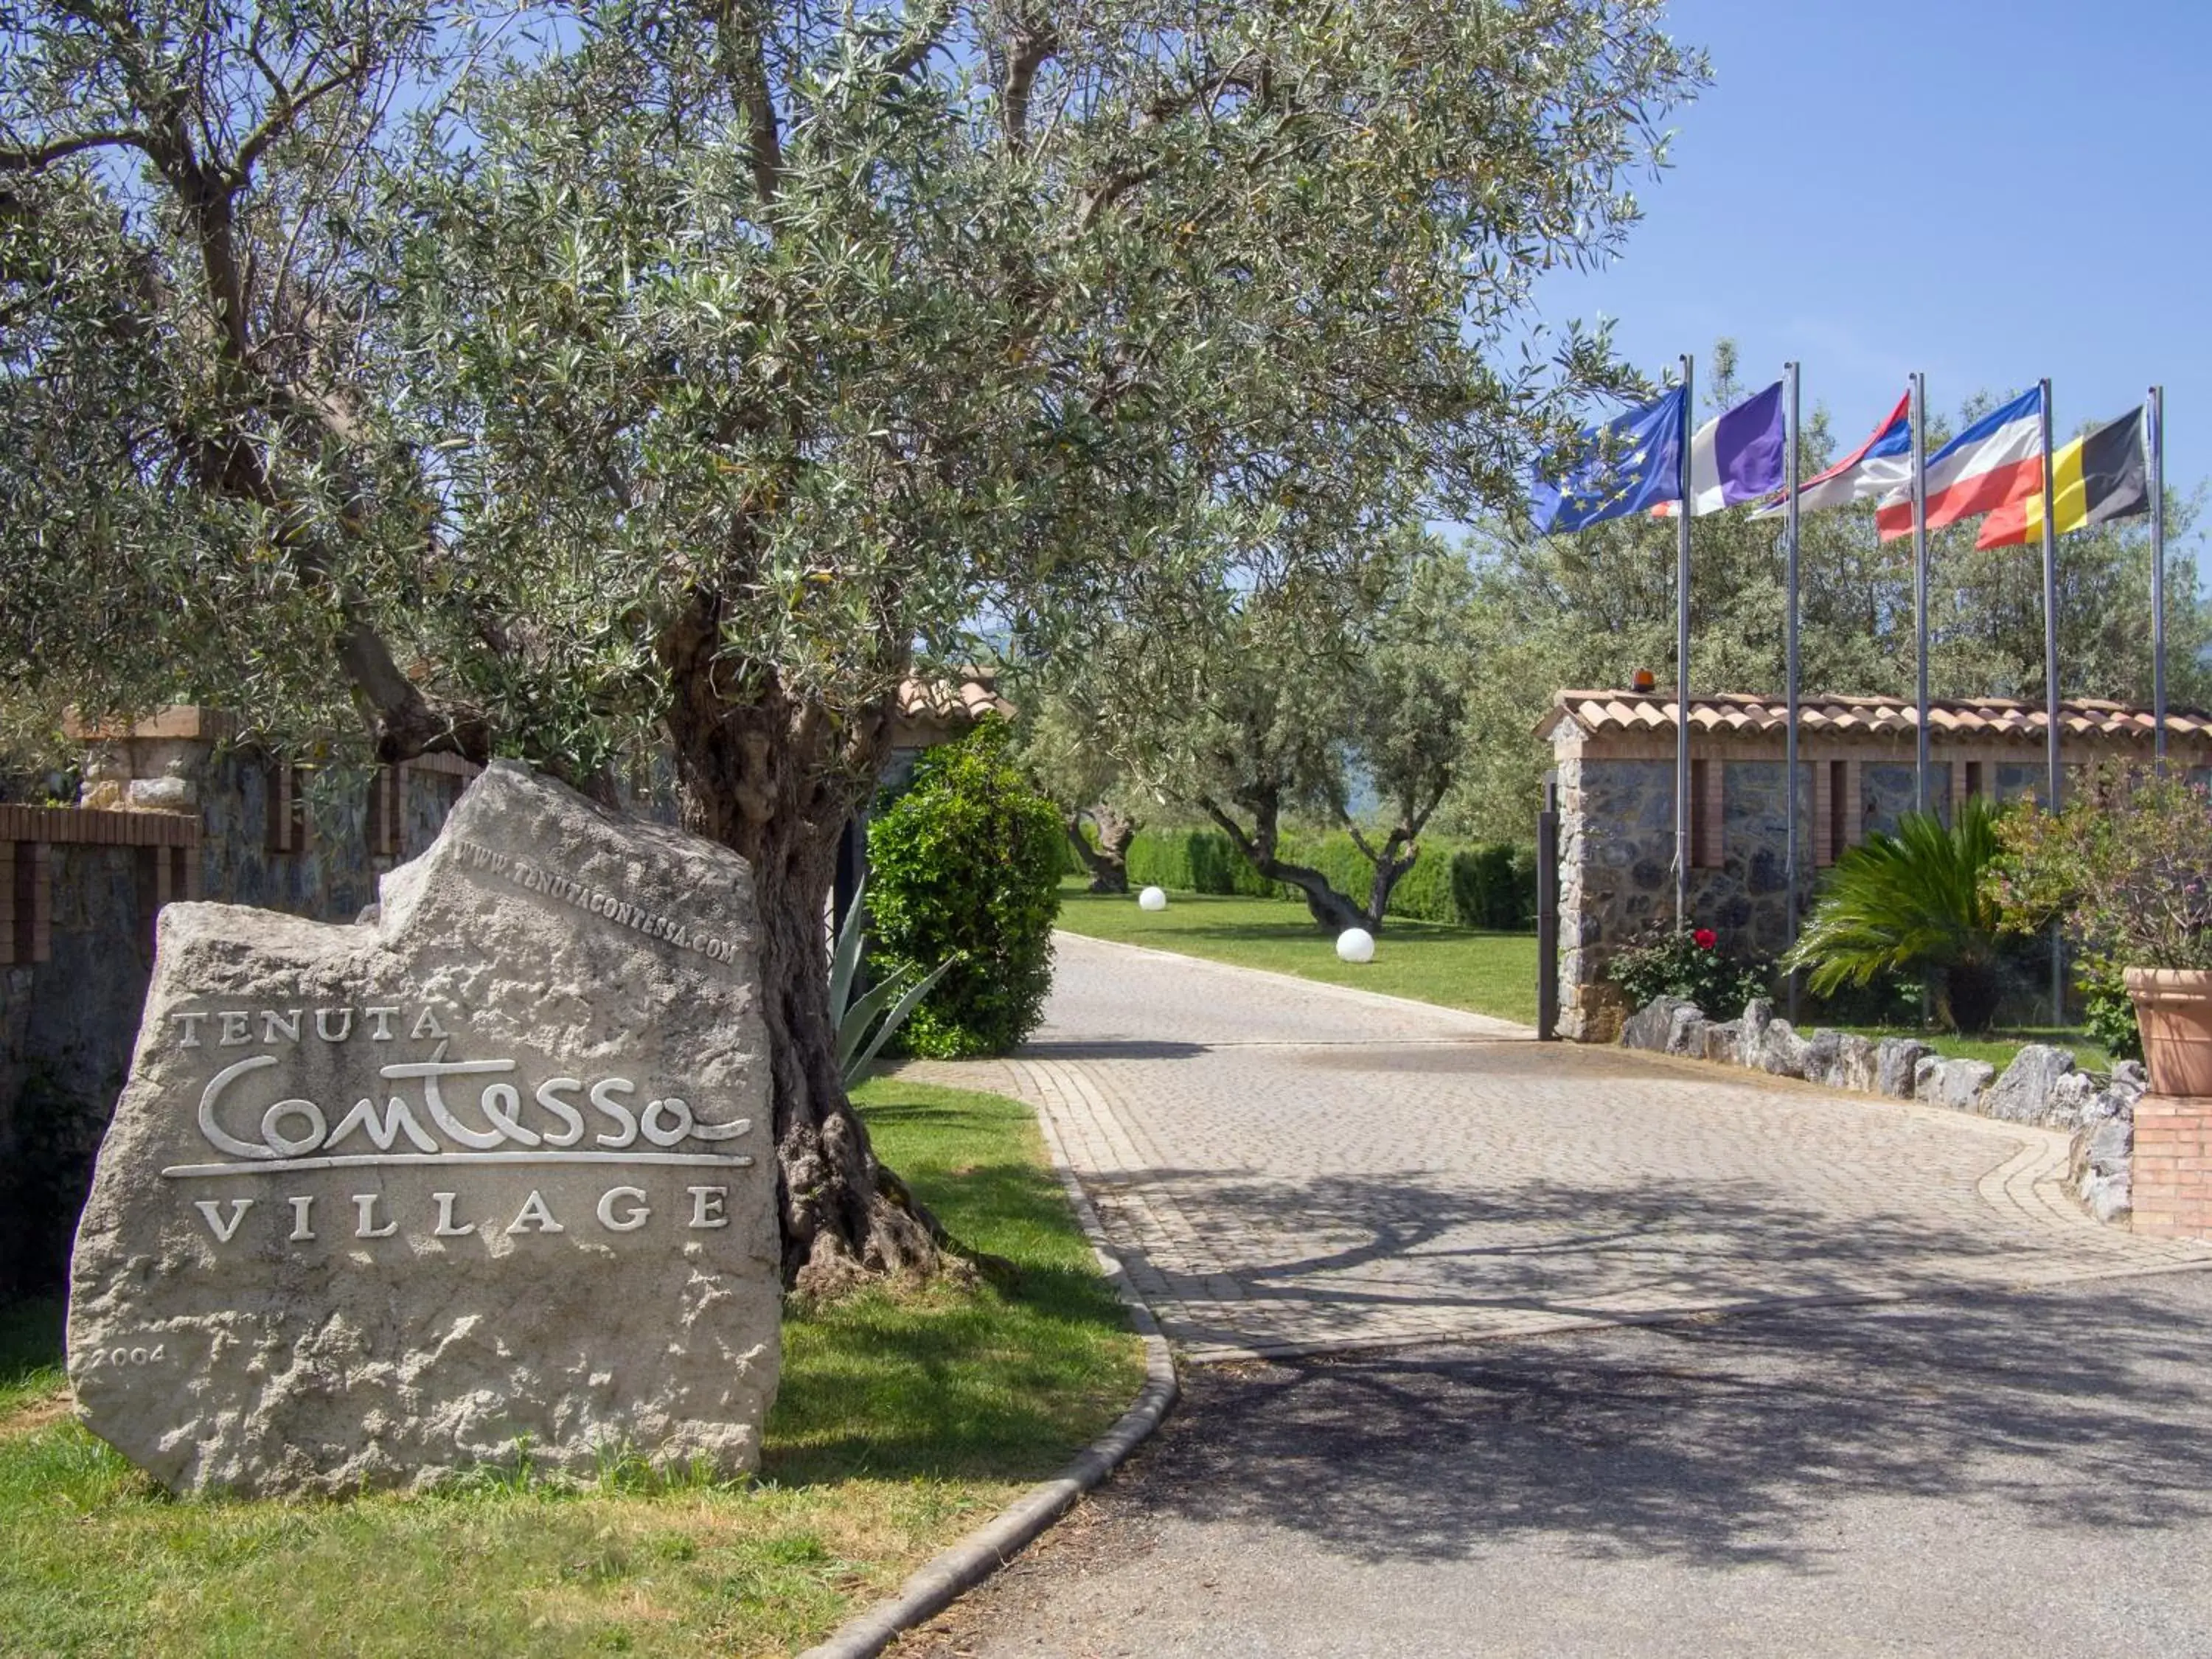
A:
(1485, 973)
(906, 1417)
(1998, 1047)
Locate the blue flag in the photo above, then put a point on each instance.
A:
(1636, 463)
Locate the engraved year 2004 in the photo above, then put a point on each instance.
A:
(129, 1355)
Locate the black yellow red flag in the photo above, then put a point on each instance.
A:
(2101, 476)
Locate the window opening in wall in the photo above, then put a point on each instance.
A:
(1839, 801)
(1974, 780)
(1705, 836)
(288, 808)
(25, 874)
(386, 799)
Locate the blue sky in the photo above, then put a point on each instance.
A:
(1987, 193)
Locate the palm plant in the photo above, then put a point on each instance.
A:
(1914, 902)
(860, 1037)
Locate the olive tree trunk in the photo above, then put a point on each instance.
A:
(1109, 861)
(1330, 909)
(775, 779)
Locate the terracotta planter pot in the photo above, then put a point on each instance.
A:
(2173, 1006)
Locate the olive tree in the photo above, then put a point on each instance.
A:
(1069, 754)
(689, 372)
(1340, 699)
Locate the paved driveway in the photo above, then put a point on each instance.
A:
(1945, 1414)
(2012, 1475)
(1287, 1168)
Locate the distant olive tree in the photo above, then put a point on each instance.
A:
(1342, 700)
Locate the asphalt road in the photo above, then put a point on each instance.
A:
(1992, 1474)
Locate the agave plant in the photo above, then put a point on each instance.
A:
(1914, 902)
(863, 1025)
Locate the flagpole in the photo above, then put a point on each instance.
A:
(2155, 413)
(2051, 683)
(1920, 581)
(1790, 671)
(1682, 665)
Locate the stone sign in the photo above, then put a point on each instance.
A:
(487, 1173)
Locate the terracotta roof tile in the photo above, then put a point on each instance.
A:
(969, 698)
(1597, 711)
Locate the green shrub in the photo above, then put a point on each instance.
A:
(1664, 961)
(966, 864)
(2127, 867)
(1196, 862)
(1913, 902)
(1494, 886)
(2108, 1012)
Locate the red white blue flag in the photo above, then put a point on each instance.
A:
(1995, 462)
(1882, 464)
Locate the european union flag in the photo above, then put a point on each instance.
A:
(1635, 464)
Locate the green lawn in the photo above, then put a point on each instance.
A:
(1456, 967)
(1997, 1048)
(905, 1418)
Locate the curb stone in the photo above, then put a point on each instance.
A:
(959, 1567)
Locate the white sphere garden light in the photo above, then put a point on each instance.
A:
(1152, 898)
(1356, 944)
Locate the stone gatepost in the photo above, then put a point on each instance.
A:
(1616, 821)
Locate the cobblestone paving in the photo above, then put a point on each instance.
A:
(1290, 1168)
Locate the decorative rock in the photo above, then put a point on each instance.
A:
(2110, 1142)
(1757, 1014)
(1955, 1084)
(1822, 1051)
(2023, 1094)
(491, 1172)
(163, 794)
(2130, 1081)
(2073, 1100)
(1781, 1050)
(1724, 1040)
(2110, 1198)
(1857, 1066)
(2101, 1159)
(1648, 1028)
(1897, 1066)
(1686, 1032)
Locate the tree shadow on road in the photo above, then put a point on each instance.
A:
(1334, 1248)
(1722, 1440)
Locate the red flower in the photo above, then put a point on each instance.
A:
(1705, 938)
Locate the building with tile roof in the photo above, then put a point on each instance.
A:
(1856, 773)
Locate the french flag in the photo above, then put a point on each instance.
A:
(1996, 461)
(1735, 457)
(1881, 464)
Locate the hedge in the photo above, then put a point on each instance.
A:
(1491, 886)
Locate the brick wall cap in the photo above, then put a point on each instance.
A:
(179, 721)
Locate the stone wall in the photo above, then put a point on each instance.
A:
(1617, 873)
(171, 809)
(61, 1060)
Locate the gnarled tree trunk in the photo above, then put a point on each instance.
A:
(1330, 909)
(774, 778)
(1109, 861)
